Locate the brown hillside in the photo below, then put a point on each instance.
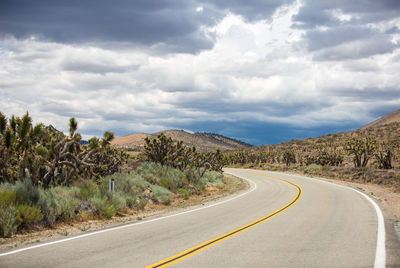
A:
(202, 141)
(134, 140)
(387, 119)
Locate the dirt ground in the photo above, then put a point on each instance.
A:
(62, 230)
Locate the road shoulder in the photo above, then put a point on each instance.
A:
(389, 202)
(234, 186)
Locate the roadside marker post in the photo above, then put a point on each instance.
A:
(111, 185)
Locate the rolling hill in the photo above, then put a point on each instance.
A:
(384, 120)
(202, 141)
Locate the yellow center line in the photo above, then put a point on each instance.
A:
(194, 250)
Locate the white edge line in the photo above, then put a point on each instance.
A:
(133, 224)
(380, 253)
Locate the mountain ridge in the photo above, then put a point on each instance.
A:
(203, 141)
(393, 117)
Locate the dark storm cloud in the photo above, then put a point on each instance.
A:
(146, 22)
(176, 26)
(251, 9)
(318, 12)
(345, 33)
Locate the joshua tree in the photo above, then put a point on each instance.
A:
(168, 152)
(289, 157)
(362, 150)
(385, 154)
(163, 150)
(47, 156)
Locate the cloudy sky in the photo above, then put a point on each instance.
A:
(263, 71)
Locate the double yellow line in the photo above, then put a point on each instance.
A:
(194, 250)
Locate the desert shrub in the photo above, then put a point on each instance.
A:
(88, 190)
(150, 172)
(326, 168)
(214, 177)
(68, 206)
(131, 200)
(184, 193)
(164, 176)
(27, 192)
(49, 205)
(8, 224)
(117, 199)
(8, 197)
(161, 194)
(126, 183)
(28, 215)
(314, 169)
(166, 183)
(104, 208)
(200, 187)
(6, 186)
(75, 192)
(66, 202)
(142, 203)
(191, 176)
(119, 202)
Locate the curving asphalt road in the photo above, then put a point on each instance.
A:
(315, 224)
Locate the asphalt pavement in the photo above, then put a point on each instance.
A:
(281, 221)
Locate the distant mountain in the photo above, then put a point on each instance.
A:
(202, 141)
(384, 120)
(51, 128)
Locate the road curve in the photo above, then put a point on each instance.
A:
(326, 226)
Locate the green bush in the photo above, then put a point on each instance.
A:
(164, 176)
(88, 190)
(142, 203)
(8, 224)
(28, 215)
(68, 206)
(8, 197)
(184, 193)
(150, 172)
(132, 184)
(191, 176)
(200, 187)
(131, 201)
(214, 177)
(117, 199)
(161, 195)
(104, 208)
(27, 193)
(314, 169)
(50, 207)
(66, 201)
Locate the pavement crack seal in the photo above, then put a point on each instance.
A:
(194, 250)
